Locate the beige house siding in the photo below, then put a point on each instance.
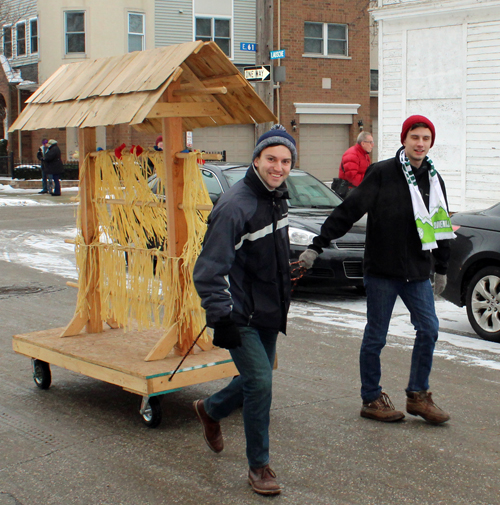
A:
(106, 25)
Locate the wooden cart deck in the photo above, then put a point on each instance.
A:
(117, 356)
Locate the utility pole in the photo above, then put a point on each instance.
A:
(264, 37)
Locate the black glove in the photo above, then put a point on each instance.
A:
(226, 334)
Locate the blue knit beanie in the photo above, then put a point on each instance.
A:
(277, 135)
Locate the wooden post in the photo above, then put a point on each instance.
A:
(264, 37)
(90, 225)
(173, 180)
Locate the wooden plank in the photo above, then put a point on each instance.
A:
(163, 347)
(228, 81)
(185, 109)
(120, 350)
(90, 226)
(135, 384)
(76, 324)
(189, 377)
(220, 90)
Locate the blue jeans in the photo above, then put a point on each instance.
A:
(57, 184)
(381, 296)
(252, 389)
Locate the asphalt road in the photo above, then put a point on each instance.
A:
(83, 442)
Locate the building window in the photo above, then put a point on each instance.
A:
(135, 32)
(7, 41)
(218, 30)
(21, 39)
(33, 36)
(326, 39)
(75, 32)
(373, 80)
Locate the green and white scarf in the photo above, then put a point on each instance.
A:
(433, 224)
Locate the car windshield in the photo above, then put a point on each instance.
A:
(305, 191)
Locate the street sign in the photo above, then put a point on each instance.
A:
(262, 73)
(276, 55)
(248, 46)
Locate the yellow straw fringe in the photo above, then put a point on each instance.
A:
(132, 233)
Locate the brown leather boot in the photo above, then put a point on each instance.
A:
(263, 480)
(211, 428)
(420, 403)
(381, 409)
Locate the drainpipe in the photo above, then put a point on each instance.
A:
(19, 136)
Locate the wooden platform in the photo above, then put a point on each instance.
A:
(117, 357)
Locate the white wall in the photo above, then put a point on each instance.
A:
(442, 59)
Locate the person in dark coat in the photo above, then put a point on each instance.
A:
(408, 227)
(243, 278)
(46, 180)
(54, 165)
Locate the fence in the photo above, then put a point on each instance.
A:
(6, 165)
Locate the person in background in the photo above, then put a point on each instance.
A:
(356, 160)
(158, 144)
(243, 278)
(408, 225)
(54, 165)
(46, 182)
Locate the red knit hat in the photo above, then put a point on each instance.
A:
(158, 140)
(417, 119)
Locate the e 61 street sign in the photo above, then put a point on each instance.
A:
(262, 73)
(276, 55)
(248, 46)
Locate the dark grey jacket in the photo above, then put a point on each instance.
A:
(393, 247)
(243, 270)
(52, 160)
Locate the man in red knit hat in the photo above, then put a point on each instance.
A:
(408, 222)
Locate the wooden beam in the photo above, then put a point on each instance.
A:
(163, 347)
(90, 226)
(185, 109)
(221, 90)
(228, 81)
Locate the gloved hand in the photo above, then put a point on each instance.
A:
(307, 258)
(226, 334)
(439, 283)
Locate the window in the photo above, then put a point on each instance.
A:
(33, 36)
(135, 32)
(75, 32)
(325, 39)
(21, 39)
(373, 80)
(218, 30)
(7, 41)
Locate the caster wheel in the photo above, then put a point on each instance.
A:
(41, 373)
(151, 411)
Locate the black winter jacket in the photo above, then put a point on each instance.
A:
(393, 247)
(52, 159)
(243, 270)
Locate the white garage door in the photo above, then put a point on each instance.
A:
(237, 140)
(322, 147)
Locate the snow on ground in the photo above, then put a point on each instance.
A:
(20, 197)
(45, 250)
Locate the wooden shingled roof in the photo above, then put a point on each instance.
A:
(126, 90)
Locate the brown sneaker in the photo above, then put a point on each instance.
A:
(420, 403)
(263, 480)
(381, 409)
(211, 428)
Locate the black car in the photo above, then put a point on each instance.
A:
(474, 271)
(310, 203)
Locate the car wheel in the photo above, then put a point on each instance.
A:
(483, 303)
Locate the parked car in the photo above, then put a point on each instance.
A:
(474, 271)
(311, 201)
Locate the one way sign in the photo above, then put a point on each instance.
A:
(262, 73)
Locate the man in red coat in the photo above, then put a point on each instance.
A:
(356, 159)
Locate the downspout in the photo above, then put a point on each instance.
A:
(278, 105)
(19, 133)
